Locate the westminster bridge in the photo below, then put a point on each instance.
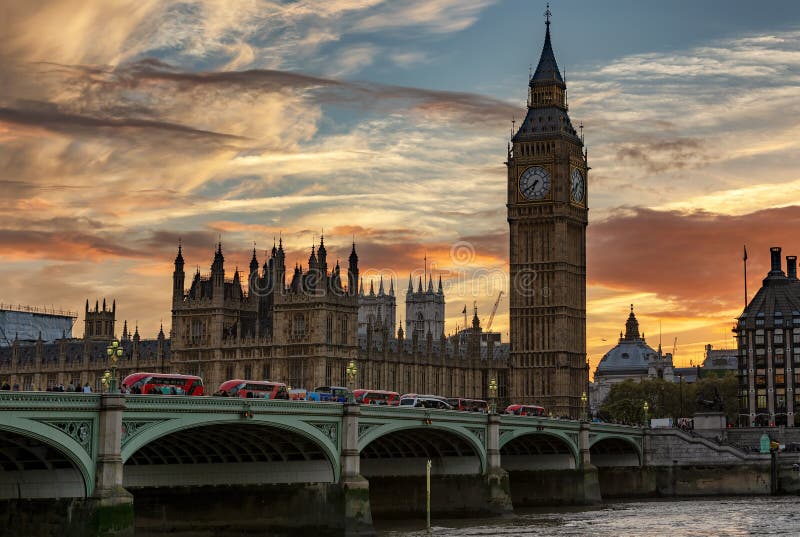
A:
(187, 462)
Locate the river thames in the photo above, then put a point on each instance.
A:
(718, 517)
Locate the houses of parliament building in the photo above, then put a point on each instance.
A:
(302, 326)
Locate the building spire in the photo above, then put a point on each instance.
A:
(547, 69)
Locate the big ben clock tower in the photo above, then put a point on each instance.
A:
(547, 217)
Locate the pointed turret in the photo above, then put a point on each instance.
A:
(352, 272)
(410, 285)
(380, 287)
(312, 259)
(178, 276)
(391, 287)
(441, 289)
(361, 288)
(371, 288)
(419, 285)
(322, 255)
(125, 334)
(218, 268)
(430, 284)
(254, 263)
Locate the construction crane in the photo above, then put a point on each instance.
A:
(494, 310)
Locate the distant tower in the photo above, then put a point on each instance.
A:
(424, 310)
(99, 323)
(379, 309)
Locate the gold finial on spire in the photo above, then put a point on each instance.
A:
(547, 15)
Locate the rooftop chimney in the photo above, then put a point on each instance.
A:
(791, 267)
(775, 252)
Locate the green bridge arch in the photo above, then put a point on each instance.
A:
(49, 433)
(634, 442)
(374, 431)
(508, 435)
(324, 434)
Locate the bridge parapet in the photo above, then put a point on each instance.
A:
(58, 401)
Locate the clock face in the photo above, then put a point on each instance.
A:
(534, 183)
(577, 187)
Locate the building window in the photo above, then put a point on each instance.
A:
(229, 372)
(248, 372)
(343, 335)
(759, 340)
(329, 330)
(299, 325)
(761, 402)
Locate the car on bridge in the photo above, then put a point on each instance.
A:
(425, 401)
(259, 389)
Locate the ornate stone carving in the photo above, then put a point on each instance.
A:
(364, 428)
(329, 429)
(80, 431)
(480, 434)
(131, 428)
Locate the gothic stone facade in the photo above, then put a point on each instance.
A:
(305, 332)
(547, 217)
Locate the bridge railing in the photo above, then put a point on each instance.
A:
(157, 403)
(49, 400)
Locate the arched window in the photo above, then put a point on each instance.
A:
(343, 334)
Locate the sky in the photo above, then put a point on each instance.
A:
(128, 125)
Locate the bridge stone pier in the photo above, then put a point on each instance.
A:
(100, 465)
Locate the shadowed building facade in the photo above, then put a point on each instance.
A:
(768, 339)
(40, 365)
(547, 217)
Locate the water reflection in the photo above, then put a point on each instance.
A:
(706, 517)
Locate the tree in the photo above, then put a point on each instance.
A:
(626, 399)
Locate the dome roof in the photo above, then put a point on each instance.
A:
(627, 357)
(632, 355)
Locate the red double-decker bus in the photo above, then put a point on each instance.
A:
(259, 389)
(376, 397)
(162, 384)
(468, 405)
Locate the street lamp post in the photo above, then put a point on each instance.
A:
(105, 380)
(493, 396)
(584, 400)
(680, 389)
(646, 407)
(351, 371)
(114, 351)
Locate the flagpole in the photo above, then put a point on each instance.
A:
(745, 276)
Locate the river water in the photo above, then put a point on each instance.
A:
(712, 517)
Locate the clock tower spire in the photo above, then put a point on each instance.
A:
(547, 217)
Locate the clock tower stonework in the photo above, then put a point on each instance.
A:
(547, 218)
